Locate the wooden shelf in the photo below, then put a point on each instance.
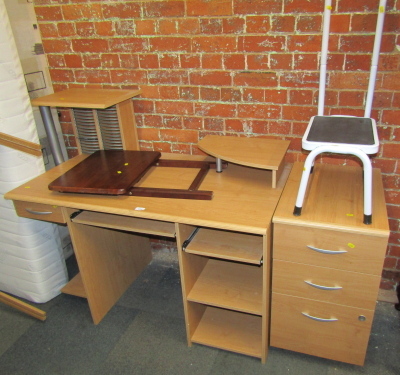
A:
(230, 285)
(230, 330)
(234, 246)
(75, 287)
(130, 224)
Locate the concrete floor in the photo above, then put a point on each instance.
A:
(145, 334)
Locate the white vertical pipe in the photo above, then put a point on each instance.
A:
(375, 57)
(324, 56)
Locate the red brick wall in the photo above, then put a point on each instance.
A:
(232, 67)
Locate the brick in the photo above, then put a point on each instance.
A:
(56, 61)
(189, 92)
(253, 95)
(215, 110)
(234, 61)
(231, 95)
(48, 30)
(209, 8)
(309, 24)
(152, 121)
(385, 165)
(121, 10)
(66, 29)
(391, 117)
(303, 6)
(211, 61)
(145, 27)
(93, 76)
(104, 28)
(233, 25)
(264, 79)
(283, 24)
(167, 27)
(234, 125)
(305, 61)
(125, 27)
(356, 43)
(257, 24)
(348, 80)
(301, 97)
(48, 13)
(169, 92)
(174, 107)
(169, 61)
(357, 62)
(180, 149)
(391, 150)
(174, 135)
(258, 62)
(128, 45)
(149, 61)
(279, 127)
(210, 26)
(164, 44)
(212, 44)
(304, 43)
(56, 46)
(302, 80)
(298, 113)
(262, 43)
(259, 111)
(162, 147)
(389, 62)
(73, 60)
(351, 98)
(257, 7)
(172, 122)
(210, 94)
(340, 23)
(61, 75)
(357, 6)
(128, 76)
(390, 81)
(194, 123)
(129, 61)
(110, 60)
(190, 61)
(281, 61)
(89, 45)
(164, 8)
(167, 77)
(276, 96)
(85, 29)
(214, 124)
(188, 26)
(212, 78)
(363, 22)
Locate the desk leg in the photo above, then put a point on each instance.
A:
(109, 261)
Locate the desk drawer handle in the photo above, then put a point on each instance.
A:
(319, 319)
(322, 286)
(38, 212)
(326, 251)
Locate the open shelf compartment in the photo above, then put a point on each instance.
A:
(230, 330)
(230, 285)
(241, 247)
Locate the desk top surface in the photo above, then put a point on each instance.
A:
(243, 198)
(85, 98)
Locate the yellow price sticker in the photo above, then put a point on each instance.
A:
(351, 245)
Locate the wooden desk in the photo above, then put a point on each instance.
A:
(226, 303)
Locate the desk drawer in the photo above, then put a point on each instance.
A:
(330, 248)
(39, 211)
(345, 338)
(325, 284)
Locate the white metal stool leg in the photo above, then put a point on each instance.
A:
(338, 150)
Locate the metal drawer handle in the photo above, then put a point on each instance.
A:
(38, 212)
(319, 319)
(326, 251)
(323, 286)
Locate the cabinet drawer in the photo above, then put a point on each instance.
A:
(343, 339)
(39, 211)
(330, 248)
(325, 284)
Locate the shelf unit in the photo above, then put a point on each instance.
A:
(225, 285)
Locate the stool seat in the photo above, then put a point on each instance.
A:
(359, 132)
(340, 135)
